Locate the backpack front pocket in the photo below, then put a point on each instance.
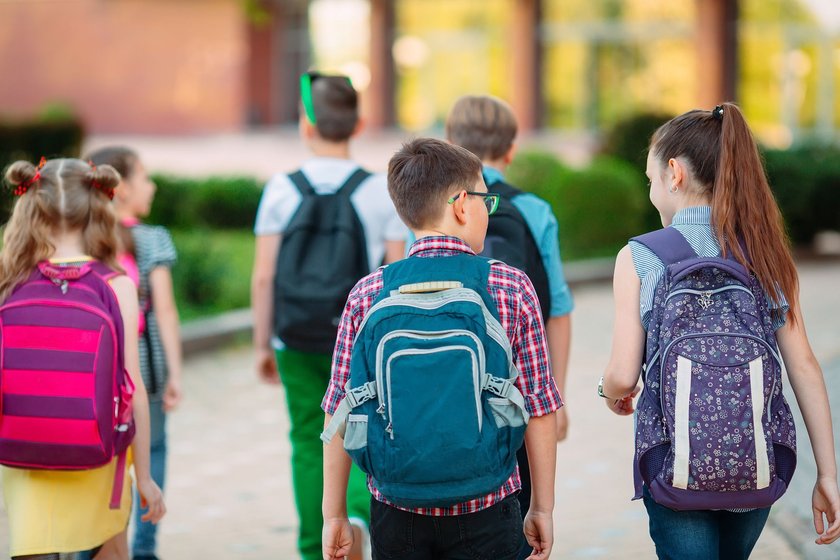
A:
(418, 385)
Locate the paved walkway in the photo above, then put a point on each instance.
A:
(229, 491)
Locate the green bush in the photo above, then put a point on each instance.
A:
(805, 182)
(213, 273)
(598, 208)
(629, 140)
(538, 172)
(213, 202)
(602, 207)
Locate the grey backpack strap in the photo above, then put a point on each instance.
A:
(352, 399)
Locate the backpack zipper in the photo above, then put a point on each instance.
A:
(494, 328)
(713, 334)
(709, 293)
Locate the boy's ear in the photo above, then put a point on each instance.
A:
(508, 157)
(458, 209)
(360, 126)
(306, 128)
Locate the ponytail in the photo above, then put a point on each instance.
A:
(745, 215)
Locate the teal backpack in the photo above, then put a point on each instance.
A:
(431, 410)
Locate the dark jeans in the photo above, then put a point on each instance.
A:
(703, 535)
(494, 533)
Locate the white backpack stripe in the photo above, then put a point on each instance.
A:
(762, 460)
(682, 448)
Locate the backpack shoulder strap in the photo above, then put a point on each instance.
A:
(103, 271)
(353, 182)
(300, 181)
(668, 244)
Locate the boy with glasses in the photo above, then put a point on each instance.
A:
(439, 193)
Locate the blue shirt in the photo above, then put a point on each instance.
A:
(543, 225)
(695, 224)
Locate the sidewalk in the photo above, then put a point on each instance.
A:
(229, 490)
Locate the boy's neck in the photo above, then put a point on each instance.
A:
(326, 149)
(497, 164)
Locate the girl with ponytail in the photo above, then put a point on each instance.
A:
(708, 183)
(63, 222)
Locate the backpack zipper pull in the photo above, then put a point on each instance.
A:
(381, 410)
(64, 286)
(390, 430)
(61, 283)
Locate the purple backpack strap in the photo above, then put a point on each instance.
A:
(668, 244)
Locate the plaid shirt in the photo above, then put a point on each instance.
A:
(519, 312)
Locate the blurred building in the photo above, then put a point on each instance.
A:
(185, 66)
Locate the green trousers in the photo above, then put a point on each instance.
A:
(305, 376)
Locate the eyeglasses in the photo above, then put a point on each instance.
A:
(491, 200)
(306, 81)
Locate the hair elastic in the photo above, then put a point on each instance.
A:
(717, 112)
(21, 189)
(96, 185)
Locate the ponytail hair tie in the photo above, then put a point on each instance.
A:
(717, 112)
(94, 184)
(21, 189)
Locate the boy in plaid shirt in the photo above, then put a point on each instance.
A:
(440, 194)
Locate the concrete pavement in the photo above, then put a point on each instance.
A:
(229, 489)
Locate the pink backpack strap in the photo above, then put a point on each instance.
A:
(119, 480)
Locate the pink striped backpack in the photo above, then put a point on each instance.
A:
(65, 397)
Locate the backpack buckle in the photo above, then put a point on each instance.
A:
(360, 395)
(496, 385)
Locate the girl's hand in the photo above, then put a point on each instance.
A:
(624, 405)
(172, 396)
(151, 497)
(826, 501)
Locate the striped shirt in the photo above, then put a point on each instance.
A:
(695, 225)
(519, 314)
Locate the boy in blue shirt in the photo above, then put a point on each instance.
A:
(486, 126)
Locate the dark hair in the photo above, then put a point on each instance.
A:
(723, 156)
(124, 160)
(121, 158)
(484, 125)
(336, 106)
(423, 173)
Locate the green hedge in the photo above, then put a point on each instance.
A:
(213, 273)
(212, 202)
(806, 183)
(598, 208)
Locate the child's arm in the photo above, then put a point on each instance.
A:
(262, 304)
(558, 333)
(541, 443)
(337, 537)
(150, 493)
(166, 313)
(622, 374)
(808, 385)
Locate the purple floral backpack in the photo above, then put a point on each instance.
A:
(713, 430)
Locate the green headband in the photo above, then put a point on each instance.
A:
(306, 80)
(306, 96)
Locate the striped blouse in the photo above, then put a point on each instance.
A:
(694, 224)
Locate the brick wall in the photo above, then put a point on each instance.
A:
(140, 66)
